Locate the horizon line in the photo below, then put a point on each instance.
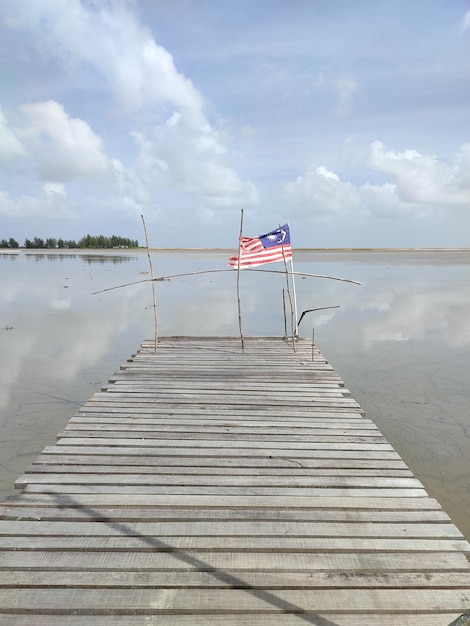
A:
(230, 249)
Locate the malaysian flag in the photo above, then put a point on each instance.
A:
(269, 248)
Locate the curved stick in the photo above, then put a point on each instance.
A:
(146, 280)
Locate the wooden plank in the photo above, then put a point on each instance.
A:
(233, 411)
(257, 580)
(336, 501)
(125, 383)
(176, 470)
(196, 544)
(293, 483)
(322, 619)
(145, 447)
(239, 561)
(124, 400)
(149, 432)
(215, 424)
(158, 601)
(178, 387)
(216, 491)
(243, 444)
(259, 396)
(255, 464)
(111, 513)
(151, 425)
(230, 411)
(229, 528)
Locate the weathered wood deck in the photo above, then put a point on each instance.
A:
(207, 486)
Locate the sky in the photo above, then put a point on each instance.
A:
(350, 120)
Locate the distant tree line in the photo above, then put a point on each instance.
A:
(11, 243)
(89, 241)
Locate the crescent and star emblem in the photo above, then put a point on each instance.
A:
(279, 236)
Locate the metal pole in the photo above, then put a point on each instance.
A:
(238, 285)
(296, 330)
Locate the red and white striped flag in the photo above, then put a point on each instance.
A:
(269, 248)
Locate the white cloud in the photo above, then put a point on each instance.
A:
(107, 37)
(10, 146)
(186, 130)
(419, 185)
(346, 87)
(327, 174)
(52, 188)
(133, 187)
(424, 179)
(51, 202)
(321, 193)
(64, 148)
(465, 23)
(192, 159)
(179, 149)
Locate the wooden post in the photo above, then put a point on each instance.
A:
(285, 315)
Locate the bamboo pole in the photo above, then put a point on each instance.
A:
(284, 309)
(154, 298)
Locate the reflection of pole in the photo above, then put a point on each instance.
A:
(238, 283)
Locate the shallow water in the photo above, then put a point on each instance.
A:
(400, 341)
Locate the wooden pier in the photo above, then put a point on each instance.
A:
(206, 486)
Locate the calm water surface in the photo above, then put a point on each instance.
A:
(400, 341)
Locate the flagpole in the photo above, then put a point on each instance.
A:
(238, 284)
(296, 329)
(292, 309)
